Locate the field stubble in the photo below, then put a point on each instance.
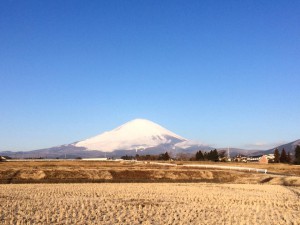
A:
(83, 172)
(149, 203)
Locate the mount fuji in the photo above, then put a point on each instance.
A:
(139, 136)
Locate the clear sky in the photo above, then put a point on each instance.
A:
(226, 73)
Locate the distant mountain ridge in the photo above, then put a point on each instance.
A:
(139, 136)
(238, 151)
(289, 147)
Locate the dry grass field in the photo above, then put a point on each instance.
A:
(281, 168)
(110, 171)
(212, 196)
(149, 203)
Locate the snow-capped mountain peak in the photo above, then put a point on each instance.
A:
(135, 134)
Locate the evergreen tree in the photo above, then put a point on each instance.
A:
(127, 157)
(297, 154)
(209, 155)
(205, 156)
(289, 158)
(276, 156)
(212, 155)
(283, 156)
(199, 156)
(137, 156)
(215, 155)
(165, 156)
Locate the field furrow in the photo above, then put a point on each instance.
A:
(148, 203)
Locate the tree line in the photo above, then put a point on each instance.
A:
(281, 157)
(297, 155)
(164, 156)
(213, 155)
(284, 157)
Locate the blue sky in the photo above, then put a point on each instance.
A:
(225, 73)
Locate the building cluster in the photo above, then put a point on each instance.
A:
(256, 158)
(2, 158)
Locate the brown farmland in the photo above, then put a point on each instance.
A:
(146, 193)
(149, 203)
(111, 171)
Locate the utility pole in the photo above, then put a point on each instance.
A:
(228, 154)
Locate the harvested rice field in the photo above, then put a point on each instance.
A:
(149, 203)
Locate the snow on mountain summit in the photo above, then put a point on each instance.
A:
(135, 134)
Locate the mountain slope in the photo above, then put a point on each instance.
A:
(289, 147)
(238, 151)
(134, 135)
(138, 136)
